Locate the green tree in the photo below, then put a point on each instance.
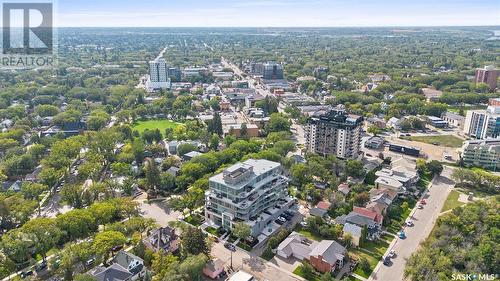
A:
(241, 230)
(193, 242)
(34, 191)
(44, 234)
(105, 241)
(192, 266)
(152, 174)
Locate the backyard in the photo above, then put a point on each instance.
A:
(373, 261)
(444, 140)
(161, 125)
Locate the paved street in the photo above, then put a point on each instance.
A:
(54, 207)
(424, 222)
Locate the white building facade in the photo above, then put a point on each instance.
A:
(253, 192)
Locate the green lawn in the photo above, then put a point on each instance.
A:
(447, 140)
(308, 234)
(452, 201)
(299, 272)
(373, 261)
(141, 126)
(194, 219)
(212, 231)
(378, 246)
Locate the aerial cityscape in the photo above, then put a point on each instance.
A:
(279, 140)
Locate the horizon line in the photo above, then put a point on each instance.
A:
(339, 26)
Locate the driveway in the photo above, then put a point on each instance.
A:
(258, 267)
(424, 221)
(159, 211)
(289, 264)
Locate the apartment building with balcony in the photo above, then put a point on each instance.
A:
(253, 192)
(334, 133)
(482, 153)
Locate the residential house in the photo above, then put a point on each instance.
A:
(125, 267)
(388, 182)
(297, 246)
(406, 177)
(344, 188)
(377, 122)
(327, 256)
(174, 171)
(321, 209)
(163, 238)
(355, 231)
(190, 155)
(324, 256)
(393, 122)
(363, 217)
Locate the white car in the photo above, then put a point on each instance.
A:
(410, 223)
(392, 254)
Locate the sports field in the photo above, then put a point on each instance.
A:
(162, 124)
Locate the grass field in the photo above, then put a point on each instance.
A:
(452, 201)
(299, 272)
(446, 140)
(371, 260)
(161, 125)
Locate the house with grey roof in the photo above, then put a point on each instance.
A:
(131, 262)
(327, 256)
(354, 231)
(114, 272)
(125, 267)
(297, 246)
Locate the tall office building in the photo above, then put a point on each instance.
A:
(488, 75)
(482, 124)
(272, 71)
(158, 74)
(253, 192)
(334, 133)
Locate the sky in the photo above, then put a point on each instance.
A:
(276, 13)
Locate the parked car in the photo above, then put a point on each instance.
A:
(303, 224)
(25, 274)
(402, 235)
(391, 254)
(386, 261)
(90, 262)
(410, 223)
(278, 222)
(230, 247)
(423, 202)
(420, 206)
(41, 266)
(282, 219)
